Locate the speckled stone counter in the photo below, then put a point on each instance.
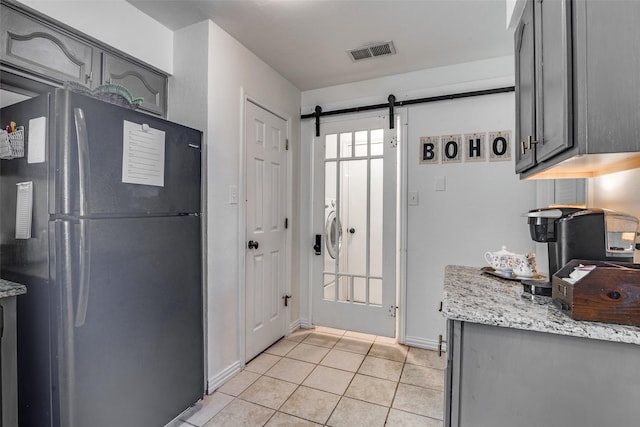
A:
(471, 296)
(11, 289)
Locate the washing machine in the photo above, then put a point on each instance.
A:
(332, 229)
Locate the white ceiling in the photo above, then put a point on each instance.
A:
(306, 40)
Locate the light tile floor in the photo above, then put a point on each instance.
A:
(330, 377)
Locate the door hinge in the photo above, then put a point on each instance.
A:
(286, 223)
(392, 310)
(286, 144)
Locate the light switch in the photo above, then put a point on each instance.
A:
(413, 198)
(233, 194)
(441, 183)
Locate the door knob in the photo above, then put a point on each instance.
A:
(252, 244)
(352, 230)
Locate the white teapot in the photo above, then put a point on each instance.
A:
(500, 260)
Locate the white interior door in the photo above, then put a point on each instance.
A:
(266, 172)
(355, 203)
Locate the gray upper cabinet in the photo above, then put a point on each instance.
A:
(141, 82)
(543, 82)
(585, 85)
(29, 44)
(36, 47)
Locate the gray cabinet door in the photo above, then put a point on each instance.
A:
(140, 81)
(513, 377)
(608, 69)
(525, 90)
(28, 44)
(553, 78)
(8, 363)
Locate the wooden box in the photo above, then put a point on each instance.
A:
(609, 293)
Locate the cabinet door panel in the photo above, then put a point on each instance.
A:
(141, 82)
(612, 85)
(30, 45)
(553, 77)
(525, 89)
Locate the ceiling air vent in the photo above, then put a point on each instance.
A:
(372, 50)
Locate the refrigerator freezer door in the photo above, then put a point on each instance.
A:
(130, 341)
(89, 153)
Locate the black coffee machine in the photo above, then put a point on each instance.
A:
(577, 233)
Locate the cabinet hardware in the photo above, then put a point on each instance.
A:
(286, 300)
(527, 145)
(440, 341)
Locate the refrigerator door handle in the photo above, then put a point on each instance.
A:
(83, 191)
(84, 264)
(83, 160)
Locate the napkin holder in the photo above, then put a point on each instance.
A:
(609, 293)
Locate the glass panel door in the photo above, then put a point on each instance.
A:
(354, 283)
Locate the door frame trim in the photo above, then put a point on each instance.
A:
(242, 222)
(401, 219)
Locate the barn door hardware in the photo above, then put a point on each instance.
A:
(391, 103)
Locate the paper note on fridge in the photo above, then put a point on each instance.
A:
(37, 140)
(142, 155)
(24, 209)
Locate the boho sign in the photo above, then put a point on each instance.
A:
(473, 147)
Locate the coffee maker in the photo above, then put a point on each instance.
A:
(577, 233)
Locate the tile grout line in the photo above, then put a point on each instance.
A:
(317, 364)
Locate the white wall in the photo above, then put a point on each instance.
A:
(514, 12)
(479, 211)
(481, 208)
(116, 23)
(217, 71)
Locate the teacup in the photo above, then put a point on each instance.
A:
(500, 260)
(525, 265)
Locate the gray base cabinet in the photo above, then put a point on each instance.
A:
(509, 377)
(8, 363)
(34, 46)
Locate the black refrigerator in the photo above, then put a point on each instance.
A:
(101, 220)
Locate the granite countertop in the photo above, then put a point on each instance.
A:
(11, 289)
(471, 296)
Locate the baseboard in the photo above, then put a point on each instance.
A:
(305, 324)
(426, 344)
(293, 326)
(218, 380)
